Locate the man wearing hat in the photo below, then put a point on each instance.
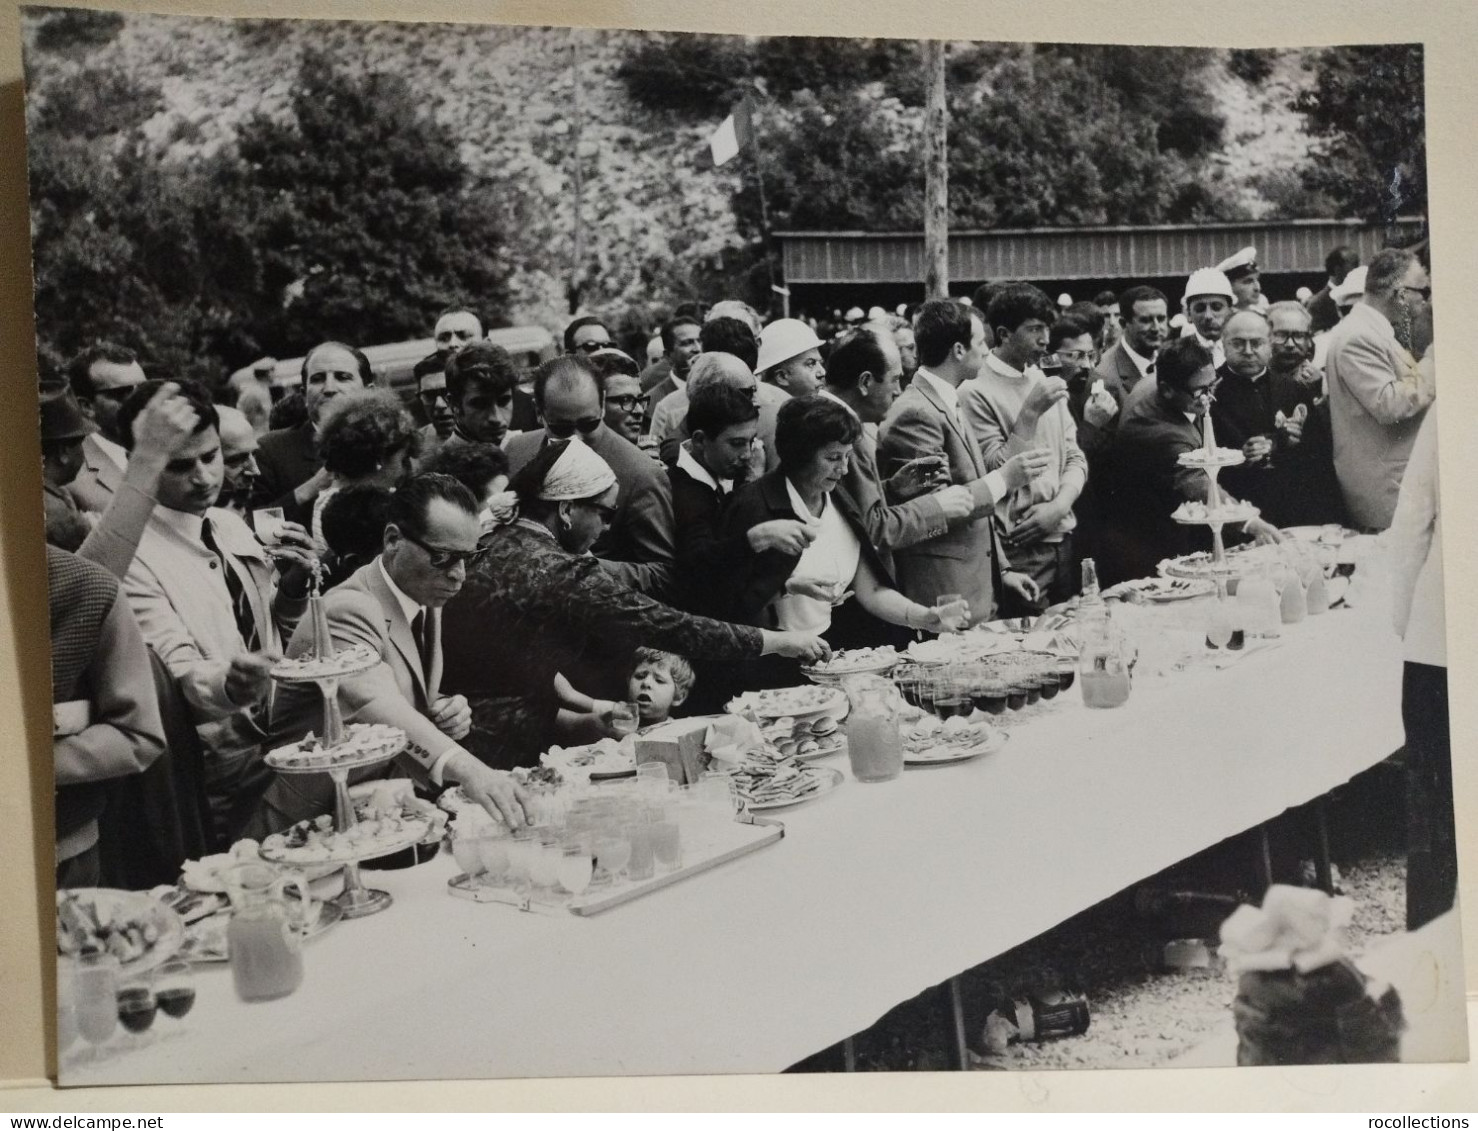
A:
(1207, 302)
(790, 356)
(1241, 271)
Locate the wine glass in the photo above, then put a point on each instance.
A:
(137, 1007)
(1219, 626)
(1050, 364)
(96, 997)
(174, 989)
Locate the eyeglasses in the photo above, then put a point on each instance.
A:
(116, 393)
(592, 347)
(1078, 357)
(625, 402)
(1205, 392)
(444, 559)
(1286, 337)
(429, 397)
(1423, 293)
(563, 431)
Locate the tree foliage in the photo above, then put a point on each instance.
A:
(1366, 110)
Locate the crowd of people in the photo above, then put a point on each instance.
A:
(527, 550)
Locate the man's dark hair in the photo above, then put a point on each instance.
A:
(366, 370)
(472, 465)
(480, 363)
(1178, 362)
(860, 352)
(456, 308)
(941, 324)
(1018, 303)
(690, 312)
(193, 393)
(78, 369)
(290, 411)
(805, 423)
(411, 502)
(981, 296)
(568, 368)
(719, 405)
(1106, 299)
(1340, 262)
(1067, 328)
(669, 329)
(1089, 314)
(730, 335)
(583, 320)
(354, 523)
(613, 362)
(1139, 294)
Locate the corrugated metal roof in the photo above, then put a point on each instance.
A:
(1078, 253)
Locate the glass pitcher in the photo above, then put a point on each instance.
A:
(874, 744)
(1105, 662)
(266, 951)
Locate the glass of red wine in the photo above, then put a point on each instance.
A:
(1050, 364)
(174, 989)
(137, 1006)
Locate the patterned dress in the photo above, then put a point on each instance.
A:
(531, 610)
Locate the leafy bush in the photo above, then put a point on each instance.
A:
(78, 29)
(1252, 66)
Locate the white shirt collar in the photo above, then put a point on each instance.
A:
(802, 511)
(688, 462)
(182, 522)
(1141, 363)
(407, 606)
(947, 392)
(115, 452)
(825, 392)
(1004, 368)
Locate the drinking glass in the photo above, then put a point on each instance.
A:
(954, 612)
(1219, 625)
(521, 848)
(492, 858)
(667, 846)
(652, 777)
(612, 853)
(1067, 672)
(137, 1007)
(267, 522)
(96, 983)
(643, 863)
(575, 866)
(715, 794)
(1050, 364)
(174, 990)
(624, 719)
(67, 1031)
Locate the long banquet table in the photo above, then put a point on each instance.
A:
(876, 893)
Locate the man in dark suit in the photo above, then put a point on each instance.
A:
(1146, 317)
(681, 343)
(637, 547)
(925, 421)
(1162, 419)
(102, 377)
(1323, 310)
(864, 373)
(393, 605)
(291, 472)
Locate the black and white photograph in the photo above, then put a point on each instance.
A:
(599, 553)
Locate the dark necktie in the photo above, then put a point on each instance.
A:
(246, 621)
(421, 631)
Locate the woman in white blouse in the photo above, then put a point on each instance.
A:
(797, 592)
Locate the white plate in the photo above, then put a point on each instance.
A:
(840, 747)
(824, 701)
(205, 940)
(358, 660)
(947, 755)
(830, 779)
(289, 760)
(136, 906)
(412, 832)
(1165, 589)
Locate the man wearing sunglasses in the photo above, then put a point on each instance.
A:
(1378, 390)
(102, 377)
(393, 605)
(1161, 419)
(587, 334)
(638, 545)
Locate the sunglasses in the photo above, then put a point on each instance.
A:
(430, 396)
(1423, 293)
(444, 559)
(1206, 392)
(563, 431)
(592, 347)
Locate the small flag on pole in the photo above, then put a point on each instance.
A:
(733, 134)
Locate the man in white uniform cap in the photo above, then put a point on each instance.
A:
(1208, 302)
(1241, 271)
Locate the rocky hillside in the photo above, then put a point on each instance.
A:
(657, 222)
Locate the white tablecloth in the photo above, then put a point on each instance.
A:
(876, 893)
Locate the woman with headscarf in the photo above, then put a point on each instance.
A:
(536, 606)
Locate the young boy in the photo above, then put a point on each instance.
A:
(659, 683)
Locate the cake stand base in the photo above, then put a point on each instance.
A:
(363, 901)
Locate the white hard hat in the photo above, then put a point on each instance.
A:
(854, 314)
(1064, 299)
(1209, 281)
(876, 314)
(1352, 287)
(782, 340)
(1303, 294)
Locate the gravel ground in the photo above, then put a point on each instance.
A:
(1142, 1015)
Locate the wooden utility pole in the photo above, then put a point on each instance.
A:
(577, 265)
(936, 175)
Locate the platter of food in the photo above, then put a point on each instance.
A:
(132, 926)
(929, 741)
(1218, 457)
(345, 662)
(365, 744)
(1201, 565)
(1193, 513)
(956, 647)
(1163, 590)
(855, 661)
(206, 939)
(789, 785)
(791, 702)
(381, 830)
(606, 760)
(806, 739)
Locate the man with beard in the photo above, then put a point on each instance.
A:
(1146, 317)
(480, 381)
(1378, 392)
(101, 378)
(291, 472)
(1207, 303)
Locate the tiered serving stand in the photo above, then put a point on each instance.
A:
(1211, 459)
(327, 670)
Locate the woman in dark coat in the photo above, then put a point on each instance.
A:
(537, 606)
